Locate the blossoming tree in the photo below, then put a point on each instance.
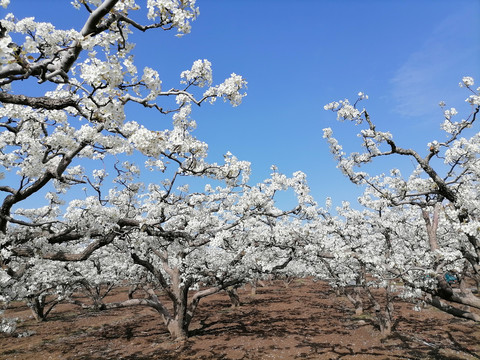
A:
(88, 78)
(443, 191)
(201, 243)
(73, 193)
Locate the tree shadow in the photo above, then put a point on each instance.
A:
(459, 346)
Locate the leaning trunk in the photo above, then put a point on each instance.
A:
(464, 296)
(452, 310)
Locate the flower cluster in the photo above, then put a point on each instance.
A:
(199, 75)
(344, 110)
(229, 90)
(176, 13)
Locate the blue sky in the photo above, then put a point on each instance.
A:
(407, 55)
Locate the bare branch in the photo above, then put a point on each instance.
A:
(85, 254)
(42, 102)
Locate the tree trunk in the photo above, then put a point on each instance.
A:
(464, 297)
(466, 314)
(178, 329)
(253, 290)
(37, 305)
(385, 323)
(384, 317)
(234, 298)
(132, 289)
(356, 300)
(287, 281)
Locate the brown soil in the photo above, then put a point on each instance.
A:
(304, 321)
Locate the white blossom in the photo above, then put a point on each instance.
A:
(467, 81)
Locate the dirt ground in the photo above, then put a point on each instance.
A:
(304, 321)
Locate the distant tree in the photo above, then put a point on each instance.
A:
(358, 253)
(95, 278)
(42, 286)
(190, 245)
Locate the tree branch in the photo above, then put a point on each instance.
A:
(42, 102)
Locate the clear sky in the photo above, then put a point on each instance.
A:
(407, 55)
